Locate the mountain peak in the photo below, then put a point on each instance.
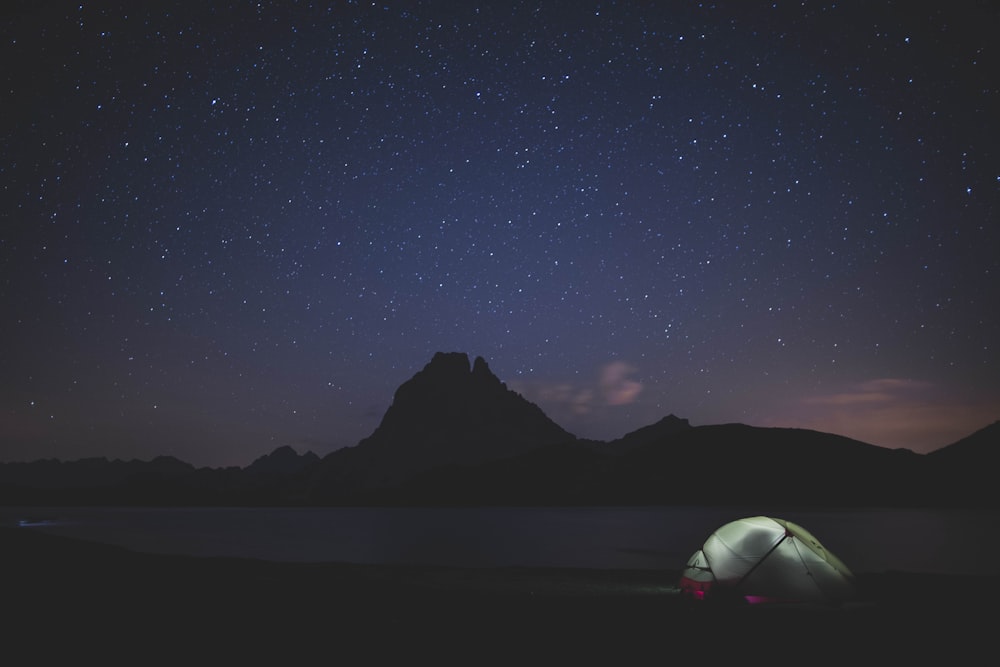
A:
(450, 412)
(448, 362)
(480, 366)
(661, 430)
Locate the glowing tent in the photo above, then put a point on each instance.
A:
(762, 559)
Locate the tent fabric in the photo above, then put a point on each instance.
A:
(763, 558)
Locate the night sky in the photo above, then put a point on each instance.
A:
(228, 227)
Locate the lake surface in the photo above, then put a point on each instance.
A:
(867, 540)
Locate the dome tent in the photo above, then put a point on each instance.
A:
(763, 559)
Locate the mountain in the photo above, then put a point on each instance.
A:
(965, 471)
(96, 481)
(456, 435)
(563, 474)
(736, 464)
(666, 427)
(730, 464)
(282, 461)
(449, 413)
(981, 447)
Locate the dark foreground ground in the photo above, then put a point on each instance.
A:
(69, 602)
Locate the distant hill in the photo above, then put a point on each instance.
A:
(966, 470)
(731, 464)
(282, 461)
(274, 479)
(737, 464)
(665, 428)
(456, 435)
(983, 446)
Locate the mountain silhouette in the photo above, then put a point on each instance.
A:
(282, 461)
(666, 427)
(449, 413)
(982, 446)
(739, 464)
(454, 434)
(731, 464)
(965, 471)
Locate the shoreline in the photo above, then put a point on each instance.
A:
(72, 597)
(870, 541)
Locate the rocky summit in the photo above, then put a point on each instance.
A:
(449, 413)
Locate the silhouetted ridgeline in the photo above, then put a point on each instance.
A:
(455, 435)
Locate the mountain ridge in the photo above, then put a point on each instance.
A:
(455, 434)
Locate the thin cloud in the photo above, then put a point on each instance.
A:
(578, 401)
(882, 390)
(616, 385)
(893, 412)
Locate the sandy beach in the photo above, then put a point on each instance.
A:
(72, 599)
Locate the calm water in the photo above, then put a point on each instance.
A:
(868, 540)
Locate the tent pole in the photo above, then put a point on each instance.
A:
(762, 559)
